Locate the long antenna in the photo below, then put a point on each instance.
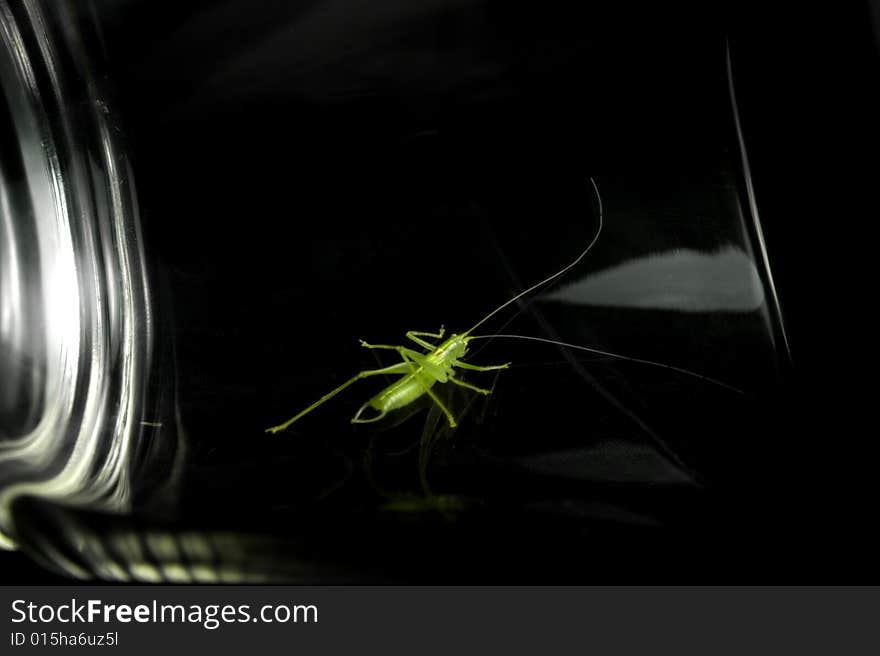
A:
(555, 275)
(589, 349)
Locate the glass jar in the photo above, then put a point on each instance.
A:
(206, 207)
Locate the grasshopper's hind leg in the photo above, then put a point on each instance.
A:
(400, 368)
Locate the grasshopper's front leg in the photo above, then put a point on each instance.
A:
(415, 336)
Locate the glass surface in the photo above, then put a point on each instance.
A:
(309, 176)
(76, 343)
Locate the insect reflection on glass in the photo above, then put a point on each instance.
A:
(420, 371)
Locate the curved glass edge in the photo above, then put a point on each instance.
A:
(773, 305)
(77, 331)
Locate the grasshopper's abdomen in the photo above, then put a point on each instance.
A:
(402, 393)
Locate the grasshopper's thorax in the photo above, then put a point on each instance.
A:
(436, 367)
(450, 351)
